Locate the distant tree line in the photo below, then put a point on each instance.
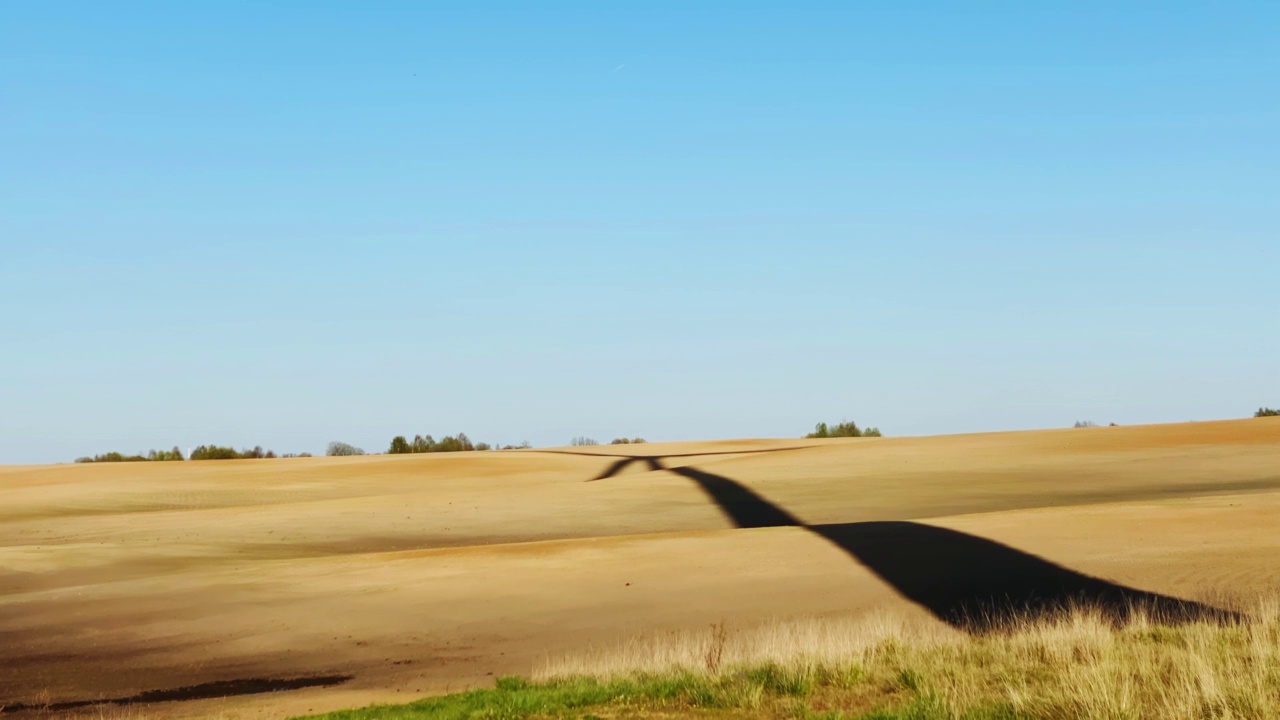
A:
(841, 430)
(340, 449)
(152, 456)
(215, 452)
(583, 441)
(460, 442)
(428, 444)
(204, 452)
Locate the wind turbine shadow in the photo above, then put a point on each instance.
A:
(971, 583)
(980, 585)
(623, 463)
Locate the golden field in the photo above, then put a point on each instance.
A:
(191, 588)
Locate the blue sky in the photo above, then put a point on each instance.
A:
(287, 223)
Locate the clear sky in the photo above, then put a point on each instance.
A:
(286, 223)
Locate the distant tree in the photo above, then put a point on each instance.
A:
(214, 452)
(871, 432)
(843, 429)
(581, 441)
(846, 429)
(340, 449)
(626, 441)
(165, 455)
(1266, 412)
(203, 452)
(483, 447)
(428, 444)
(116, 457)
(151, 456)
(452, 443)
(1085, 424)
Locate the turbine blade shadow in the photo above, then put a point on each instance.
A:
(614, 469)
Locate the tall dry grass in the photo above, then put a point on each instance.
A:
(1076, 664)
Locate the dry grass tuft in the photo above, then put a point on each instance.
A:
(815, 641)
(1078, 663)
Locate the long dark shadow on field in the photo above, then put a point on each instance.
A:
(203, 691)
(969, 582)
(980, 585)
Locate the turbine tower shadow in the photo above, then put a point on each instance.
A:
(971, 583)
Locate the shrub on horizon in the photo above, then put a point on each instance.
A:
(215, 452)
(111, 457)
(449, 443)
(341, 449)
(428, 444)
(151, 456)
(844, 429)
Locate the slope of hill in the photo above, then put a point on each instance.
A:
(196, 586)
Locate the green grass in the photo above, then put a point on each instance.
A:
(1078, 665)
(768, 690)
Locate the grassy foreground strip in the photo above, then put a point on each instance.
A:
(1078, 665)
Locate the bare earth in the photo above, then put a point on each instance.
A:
(339, 582)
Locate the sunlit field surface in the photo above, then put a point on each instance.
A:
(269, 588)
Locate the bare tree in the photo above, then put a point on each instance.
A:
(340, 448)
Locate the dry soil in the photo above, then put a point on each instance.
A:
(190, 588)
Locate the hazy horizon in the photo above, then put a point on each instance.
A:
(286, 225)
